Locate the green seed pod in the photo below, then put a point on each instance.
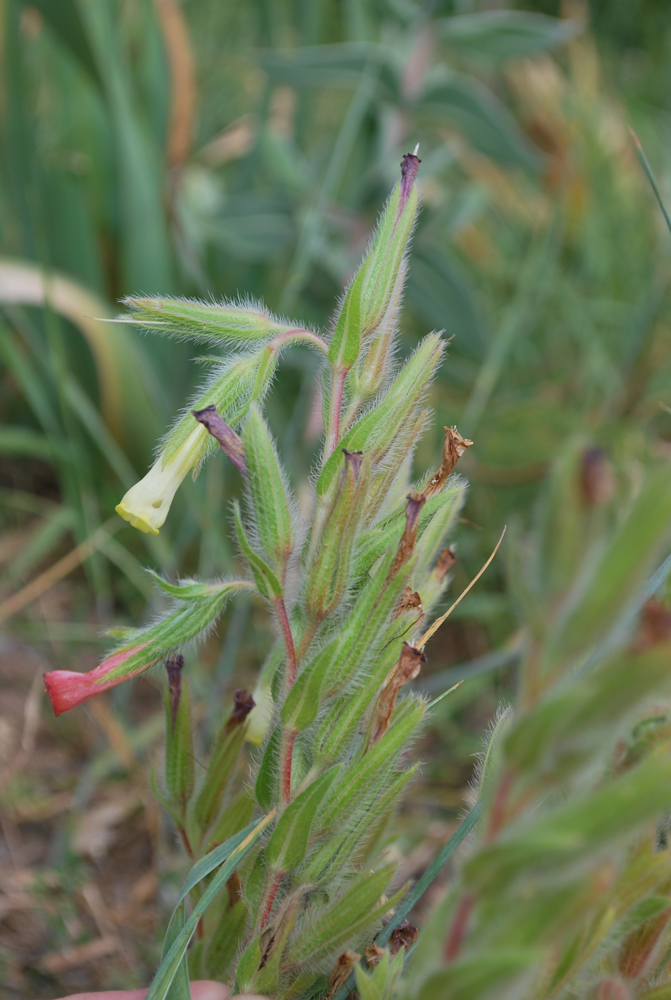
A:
(269, 492)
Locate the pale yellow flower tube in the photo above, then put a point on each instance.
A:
(146, 504)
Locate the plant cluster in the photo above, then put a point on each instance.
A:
(349, 581)
(564, 890)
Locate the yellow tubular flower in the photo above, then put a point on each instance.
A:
(146, 504)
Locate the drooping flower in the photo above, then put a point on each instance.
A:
(67, 688)
(146, 504)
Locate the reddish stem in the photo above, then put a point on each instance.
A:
(335, 409)
(307, 336)
(499, 807)
(185, 841)
(287, 755)
(283, 619)
(458, 928)
(270, 900)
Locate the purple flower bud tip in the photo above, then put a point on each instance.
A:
(174, 666)
(413, 509)
(230, 442)
(243, 703)
(409, 167)
(353, 460)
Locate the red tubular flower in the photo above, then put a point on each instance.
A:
(67, 689)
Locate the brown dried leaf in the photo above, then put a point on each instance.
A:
(406, 670)
(454, 448)
(341, 972)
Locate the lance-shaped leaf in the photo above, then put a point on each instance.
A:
(229, 856)
(268, 490)
(606, 590)
(345, 713)
(569, 726)
(336, 853)
(179, 759)
(374, 433)
(267, 583)
(327, 574)
(224, 756)
(192, 320)
(346, 340)
(142, 648)
(568, 834)
(358, 779)
(289, 840)
(482, 975)
(267, 779)
(373, 543)
(195, 590)
(301, 706)
(371, 372)
(359, 908)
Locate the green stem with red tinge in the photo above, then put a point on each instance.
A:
(288, 735)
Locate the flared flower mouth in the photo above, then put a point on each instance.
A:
(67, 689)
(146, 504)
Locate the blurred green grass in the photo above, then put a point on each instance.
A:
(213, 149)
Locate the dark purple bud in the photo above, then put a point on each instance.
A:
(353, 460)
(406, 546)
(409, 167)
(231, 443)
(243, 703)
(174, 666)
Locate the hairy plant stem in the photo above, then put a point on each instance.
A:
(300, 335)
(288, 735)
(335, 408)
(269, 899)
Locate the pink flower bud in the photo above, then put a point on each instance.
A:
(67, 688)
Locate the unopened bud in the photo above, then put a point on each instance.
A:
(174, 666)
(454, 448)
(409, 168)
(243, 703)
(230, 442)
(353, 461)
(407, 544)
